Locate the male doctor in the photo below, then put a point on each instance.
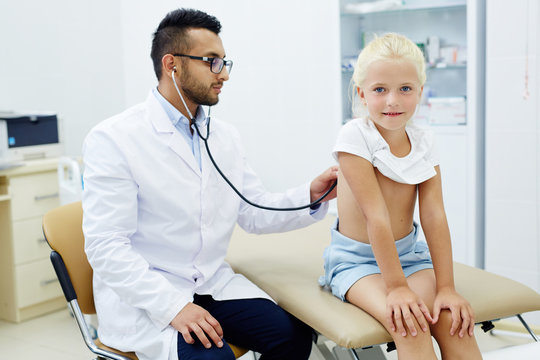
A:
(158, 217)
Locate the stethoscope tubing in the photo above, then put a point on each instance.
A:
(205, 140)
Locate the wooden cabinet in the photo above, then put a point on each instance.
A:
(28, 284)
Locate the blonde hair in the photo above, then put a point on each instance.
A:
(390, 46)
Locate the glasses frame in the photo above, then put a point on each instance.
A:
(224, 63)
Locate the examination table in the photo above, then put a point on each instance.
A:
(288, 265)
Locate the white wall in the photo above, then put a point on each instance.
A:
(513, 141)
(283, 93)
(89, 60)
(63, 56)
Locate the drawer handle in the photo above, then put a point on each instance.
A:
(47, 282)
(45, 197)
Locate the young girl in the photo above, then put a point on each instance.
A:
(374, 260)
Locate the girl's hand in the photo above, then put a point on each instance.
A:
(460, 308)
(402, 305)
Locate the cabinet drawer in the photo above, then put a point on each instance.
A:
(28, 241)
(33, 195)
(36, 282)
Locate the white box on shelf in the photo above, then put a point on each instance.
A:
(447, 110)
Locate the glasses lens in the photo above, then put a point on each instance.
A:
(217, 65)
(228, 65)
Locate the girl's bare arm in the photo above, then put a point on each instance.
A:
(402, 303)
(435, 226)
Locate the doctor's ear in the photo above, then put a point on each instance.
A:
(168, 65)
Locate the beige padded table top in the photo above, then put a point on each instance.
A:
(288, 265)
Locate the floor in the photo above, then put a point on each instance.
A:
(56, 336)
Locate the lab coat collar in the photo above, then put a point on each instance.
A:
(157, 116)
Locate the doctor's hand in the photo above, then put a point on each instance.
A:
(193, 318)
(322, 183)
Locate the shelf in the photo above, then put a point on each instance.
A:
(446, 67)
(428, 68)
(419, 6)
(5, 198)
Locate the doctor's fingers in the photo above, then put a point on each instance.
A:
(331, 173)
(212, 328)
(186, 334)
(328, 173)
(324, 180)
(215, 324)
(201, 331)
(329, 176)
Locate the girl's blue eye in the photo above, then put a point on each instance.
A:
(406, 88)
(378, 90)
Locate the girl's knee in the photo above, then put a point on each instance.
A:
(415, 347)
(420, 338)
(443, 325)
(453, 346)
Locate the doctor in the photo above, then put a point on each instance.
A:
(158, 217)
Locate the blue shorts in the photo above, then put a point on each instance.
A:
(347, 260)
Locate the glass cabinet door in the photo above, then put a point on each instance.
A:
(451, 33)
(440, 30)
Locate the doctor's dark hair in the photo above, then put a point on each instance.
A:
(170, 36)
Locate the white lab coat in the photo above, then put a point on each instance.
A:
(157, 227)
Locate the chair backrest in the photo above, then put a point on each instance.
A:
(62, 228)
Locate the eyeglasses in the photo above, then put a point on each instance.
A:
(216, 64)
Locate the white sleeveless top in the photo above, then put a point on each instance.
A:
(360, 137)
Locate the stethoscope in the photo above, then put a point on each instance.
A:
(205, 140)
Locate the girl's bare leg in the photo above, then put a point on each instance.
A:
(369, 294)
(452, 347)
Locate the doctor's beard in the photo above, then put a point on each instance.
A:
(198, 92)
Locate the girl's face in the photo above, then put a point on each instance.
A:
(391, 92)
